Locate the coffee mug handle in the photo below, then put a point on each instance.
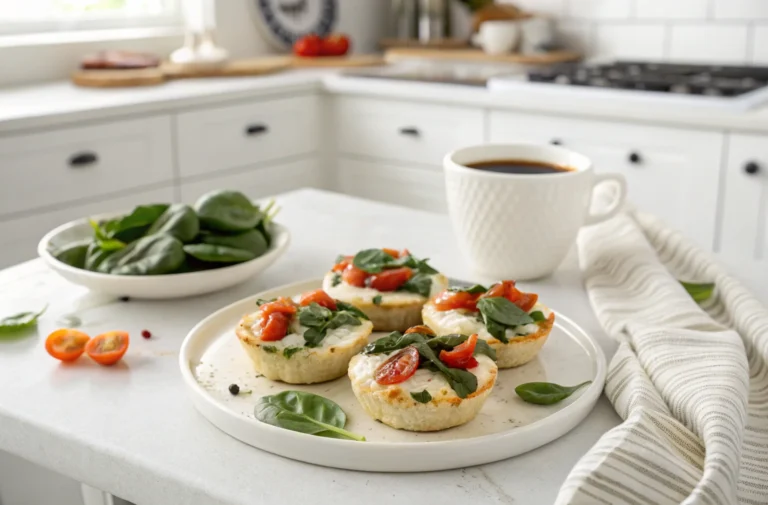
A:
(618, 202)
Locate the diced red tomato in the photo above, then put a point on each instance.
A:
(449, 300)
(108, 348)
(424, 330)
(354, 276)
(399, 367)
(527, 301)
(507, 289)
(392, 252)
(319, 297)
(461, 356)
(66, 344)
(341, 265)
(282, 305)
(274, 327)
(390, 280)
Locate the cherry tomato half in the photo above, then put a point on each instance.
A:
(319, 297)
(527, 301)
(399, 367)
(282, 305)
(66, 344)
(449, 300)
(424, 330)
(341, 265)
(461, 356)
(390, 280)
(308, 45)
(354, 276)
(108, 348)
(275, 327)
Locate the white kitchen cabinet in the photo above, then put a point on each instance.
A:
(78, 163)
(19, 237)
(670, 172)
(417, 187)
(260, 182)
(743, 241)
(240, 135)
(404, 131)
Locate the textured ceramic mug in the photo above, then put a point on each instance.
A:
(521, 226)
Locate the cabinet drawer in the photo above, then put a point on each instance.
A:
(244, 134)
(69, 164)
(259, 182)
(402, 185)
(405, 131)
(19, 237)
(670, 172)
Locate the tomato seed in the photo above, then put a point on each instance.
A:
(146, 334)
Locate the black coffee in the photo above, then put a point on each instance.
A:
(519, 167)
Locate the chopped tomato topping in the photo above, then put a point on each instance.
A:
(527, 301)
(399, 367)
(108, 348)
(354, 276)
(282, 305)
(392, 252)
(449, 300)
(424, 330)
(341, 265)
(404, 253)
(66, 344)
(461, 356)
(390, 280)
(319, 297)
(507, 289)
(275, 327)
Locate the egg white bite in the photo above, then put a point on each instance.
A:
(396, 310)
(289, 360)
(525, 341)
(394, 406)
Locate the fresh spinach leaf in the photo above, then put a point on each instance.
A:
(95, 255)
(538, 316)
(546, 393)
(461, 381)
(251, 240)
(342, 318)
(73, 254)
(314, 336)
(393, 342)
(305, 413)
(477, 289)
(351, 308)
(699, 292)
(448, 342)
(503, 311)
(103, 239)
(271, 349)
(134, 225)
(290, 351)
(372, 261)
(377, 300)
(336, 279)
(262, 301)
(270, 211)
(314, 315)
(319, 320)
(179, 221)
(422, 397)
(420, 284)
(151, 255)
(496, 330)
(227, 211)
(21, 321)
(218, 253)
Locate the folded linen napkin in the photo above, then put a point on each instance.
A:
(690, 381)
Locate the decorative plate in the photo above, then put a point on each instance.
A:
(284, 21)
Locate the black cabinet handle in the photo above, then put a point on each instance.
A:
(752, 168)
(635, 158)
(82, 159)
(256, 129)
(556, 142)
(410, 130)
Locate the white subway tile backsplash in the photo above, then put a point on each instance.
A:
(709, 43)
(630, 41)
(746, 10)
(600, 9)
(671, 9)
(760, 45)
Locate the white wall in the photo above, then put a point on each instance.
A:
(727, 31)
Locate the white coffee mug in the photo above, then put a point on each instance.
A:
(521, 226)
(497, 37)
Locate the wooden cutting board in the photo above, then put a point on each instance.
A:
(354, 60)
(479, 56)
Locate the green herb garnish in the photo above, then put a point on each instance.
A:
(269, 348)
(377, 300)
(477, 289)
(546, 393)
(422, 397)
(319, 320)
(290, 351)
(498, 314)
(21, 321)
(336, 279)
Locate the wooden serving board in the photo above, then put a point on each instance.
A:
(118, 78)
(479, 56)
(234, 68)
(354, 60)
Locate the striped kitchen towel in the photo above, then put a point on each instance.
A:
(689, 380)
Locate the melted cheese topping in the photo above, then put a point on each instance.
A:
(465, 322)
(363, 368)
(348, 293)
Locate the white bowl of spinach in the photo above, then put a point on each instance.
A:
(168, 250)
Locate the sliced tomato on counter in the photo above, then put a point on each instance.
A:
(461, 356)
(319, 297)
(108, 348)
(66, 344)
(424, 330)
(354, 276)
(399, 367)
(449, 300)
(390, 280)
(275, 327)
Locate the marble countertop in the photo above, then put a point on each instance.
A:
(52, 104)
(131, 430)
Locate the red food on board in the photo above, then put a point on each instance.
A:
(308, 45)
(335, 44)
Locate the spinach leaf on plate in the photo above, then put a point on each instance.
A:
(305, 413)
(227, 211)
(546, 393)
(319, 320)
(477, 289)
(73, 254)
(393, 342)
(251, 240)
(498, 314)
(134, 225)
(372, 261)
(21, 321)
(95, 256)
(218, 253)
(151, 255)
(178, 220)
(420, 284)
(348, 307)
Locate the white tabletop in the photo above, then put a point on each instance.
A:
(131, 430)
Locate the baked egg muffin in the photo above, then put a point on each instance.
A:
(389, 286)
(419, 382)
(303, 341)
(513, 323)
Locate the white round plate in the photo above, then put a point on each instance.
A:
(211, 359)
(154, 286)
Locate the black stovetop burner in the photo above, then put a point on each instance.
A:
(711, 80)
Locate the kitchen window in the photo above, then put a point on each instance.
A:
(20, 17)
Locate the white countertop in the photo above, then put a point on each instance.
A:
(46, 105)
(131, 430)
